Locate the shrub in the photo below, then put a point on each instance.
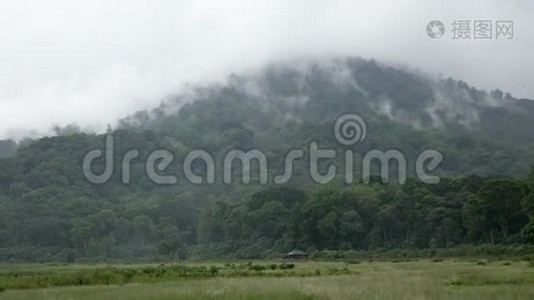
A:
(353, 261)
(257, 268)
(284, 266)
(214, 270)
(482, 262)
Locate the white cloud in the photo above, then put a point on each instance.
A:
(93, 62)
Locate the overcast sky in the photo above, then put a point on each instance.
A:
(92, 62)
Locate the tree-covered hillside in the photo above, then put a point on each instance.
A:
(49, 211)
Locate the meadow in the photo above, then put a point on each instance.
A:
(416, 279)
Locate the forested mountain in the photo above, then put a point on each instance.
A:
(49, 211)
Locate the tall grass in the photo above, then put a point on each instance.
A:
(378, 280)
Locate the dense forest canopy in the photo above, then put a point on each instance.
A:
(49, 211)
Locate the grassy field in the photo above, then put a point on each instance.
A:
(423, 279)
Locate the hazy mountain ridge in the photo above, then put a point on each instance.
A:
(50, 211)
(403, 95)
(286, 103)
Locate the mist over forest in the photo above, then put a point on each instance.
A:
(50, 211)
(266, 149)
